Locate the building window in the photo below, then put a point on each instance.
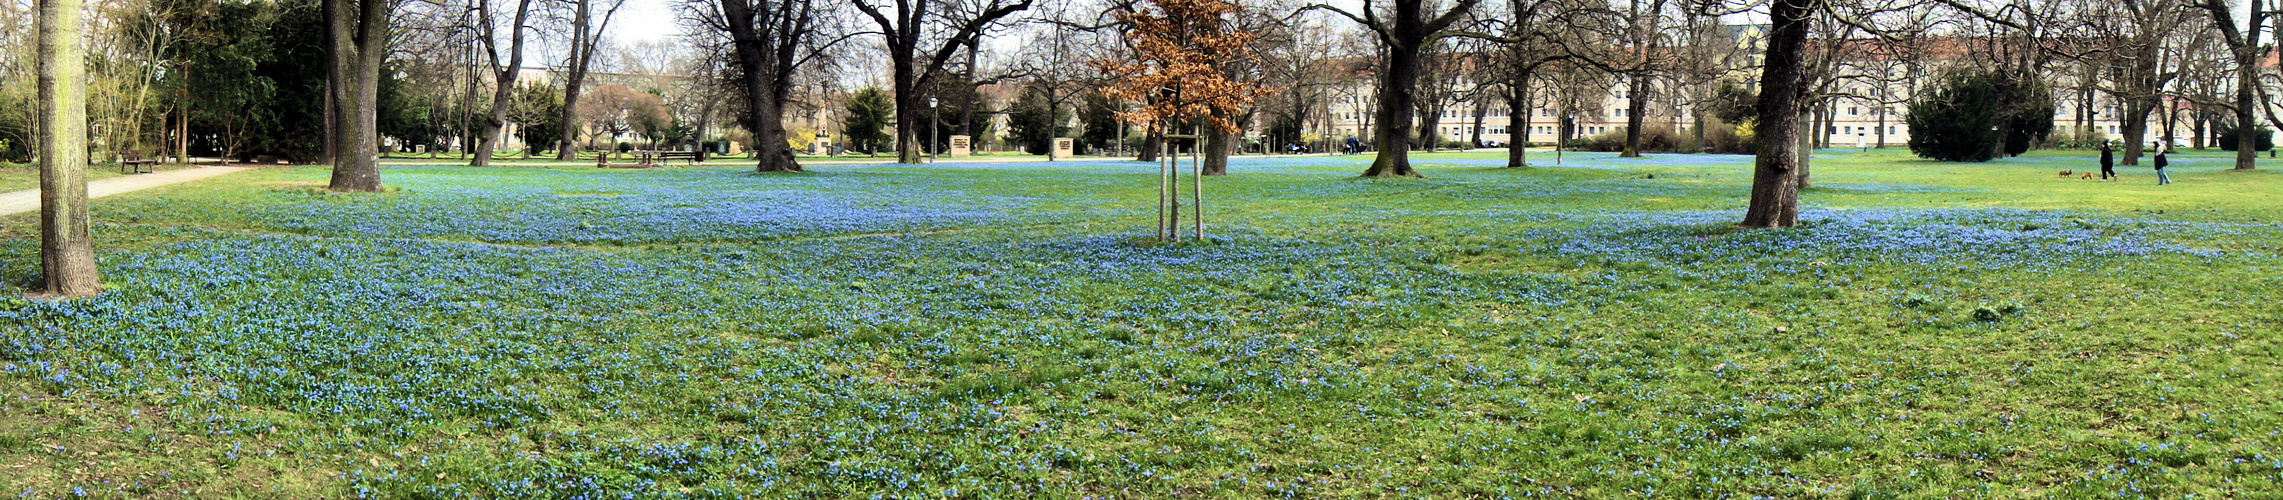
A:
(1851, 111)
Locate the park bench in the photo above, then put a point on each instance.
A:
(689, 157)
(132, 162)
(644, 161)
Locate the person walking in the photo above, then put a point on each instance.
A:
(2108, 162)
(2161, 162)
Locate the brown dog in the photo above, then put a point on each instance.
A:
(2087, 176)
(2066, 173)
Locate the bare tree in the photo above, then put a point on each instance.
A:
(769, 42)
(917, 56)
(586, 40)
(503, 76)
(1529, 35)
(1775, 184)
(1412, 27)
(359, 32)
(2243, 43)
(2133, 40)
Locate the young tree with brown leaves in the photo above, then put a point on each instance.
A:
(1179, 50)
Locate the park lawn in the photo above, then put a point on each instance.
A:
(1004, 330)
(23, 176)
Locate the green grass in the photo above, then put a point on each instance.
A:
(23, 176)
(1004, 330)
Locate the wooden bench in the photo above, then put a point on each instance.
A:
(603, 161)
(132, 162)
(687, 157)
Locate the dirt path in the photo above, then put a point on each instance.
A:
(29, 199)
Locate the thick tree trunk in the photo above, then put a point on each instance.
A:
(764, 61)
(504, 80)
(1217, 147)
(1775, 185)
(908, 105)
(1518, 121)
(1430, 125)
(1397, 93)
(1636, 105)
(67, 248)
(770, 147)
(1150, 146)
(359, 38)
(2135, 128)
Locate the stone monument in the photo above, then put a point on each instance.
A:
(1064, 147)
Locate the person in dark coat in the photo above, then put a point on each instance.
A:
(2161, 162)
(2108, 162)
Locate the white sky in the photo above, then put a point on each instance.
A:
(642, 20)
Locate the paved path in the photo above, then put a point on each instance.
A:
(29, 200)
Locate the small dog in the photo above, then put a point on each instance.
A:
(2087, 176)
(2065, 173)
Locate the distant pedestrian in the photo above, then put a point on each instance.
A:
(1354, 146)
(2108, 162)
(2161, 162)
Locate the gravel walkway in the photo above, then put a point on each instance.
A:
(29, 200)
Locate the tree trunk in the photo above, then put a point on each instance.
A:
(908, 104)
(764, 59)
(1518, 108)
(1775, 186)
(1217, 146)
(705, 130)
(1150, 145)
(504, 79)
(1430, 124)
(2246, 95)
(967, 97)
(182, 127)
(574, 78)
(359, 34)
(1696, 121)
(2135, 127)
(1804, 175)
(1636, 105)
(1881, 129)
(1481, 112)
(67, 249)
(770, 147)
(1398, 88)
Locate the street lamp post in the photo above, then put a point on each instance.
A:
(935, 126)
